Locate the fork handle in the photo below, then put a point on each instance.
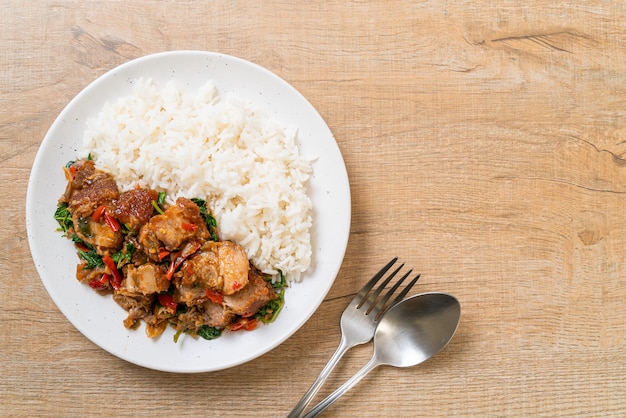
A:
(315, 387)
(349, 384)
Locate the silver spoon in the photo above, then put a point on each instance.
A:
(408, 334)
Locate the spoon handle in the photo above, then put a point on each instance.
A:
(315, 387)
(330, 399)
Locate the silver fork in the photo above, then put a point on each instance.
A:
(358, 323)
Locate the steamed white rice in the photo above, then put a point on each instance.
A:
(246, 166)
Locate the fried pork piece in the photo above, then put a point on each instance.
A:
(216, 315)
(89, 188)
(144, 280)
(86, 275)
(251, 298)
(180, 223)
(219, 266)
(209, 313)
(233, 265)
(97, 234)
(138, 307)
(134, 207)
(83, 173)
(189, 294)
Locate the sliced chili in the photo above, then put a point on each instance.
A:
(163, 254)
(214, 296)
(178, 257)
(101, 283)
(189, 227)
(112, 222)
(167, 301)
(98, 213)
(173, 265)
(116, 281)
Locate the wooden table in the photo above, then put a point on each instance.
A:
(485, 144)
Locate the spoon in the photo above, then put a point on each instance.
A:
(408, 334)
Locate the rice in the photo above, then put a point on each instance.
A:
(245, 165)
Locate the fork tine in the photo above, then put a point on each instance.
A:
(383, 300)
(382, 305)
(372, 297)
(406, 290)
(368, 286)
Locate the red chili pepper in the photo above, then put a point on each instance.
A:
(178, 257)
(173, 265)
(167, 301)
(73, 170)
(189, 227)
(117, 277)
(163, 254)
(81, 247)
(236, 285)
(112, 222)
(247, 324)
(101, 283)
(98, 213)
(251, 324)
(215, 297)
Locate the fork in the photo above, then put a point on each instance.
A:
(358, 323)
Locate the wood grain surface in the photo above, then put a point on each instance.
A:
(485, 143)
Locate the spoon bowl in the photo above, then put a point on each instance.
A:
(408, 334)
(416, 329)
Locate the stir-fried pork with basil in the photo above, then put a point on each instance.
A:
(163, 264)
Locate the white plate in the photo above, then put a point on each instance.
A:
(98, 317)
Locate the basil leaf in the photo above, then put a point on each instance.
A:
(123, 257)
(209, 333)
(63, 217)
(92, 258)
(208, 217)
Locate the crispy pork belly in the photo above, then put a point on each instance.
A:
(89, 188)
(191, 294)
(209, 313)
(216, 315)
(180, 223)
(251, 298)
(233, 265)
(144, 280)
(97, 234)
(219, 266)
(134, 207)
